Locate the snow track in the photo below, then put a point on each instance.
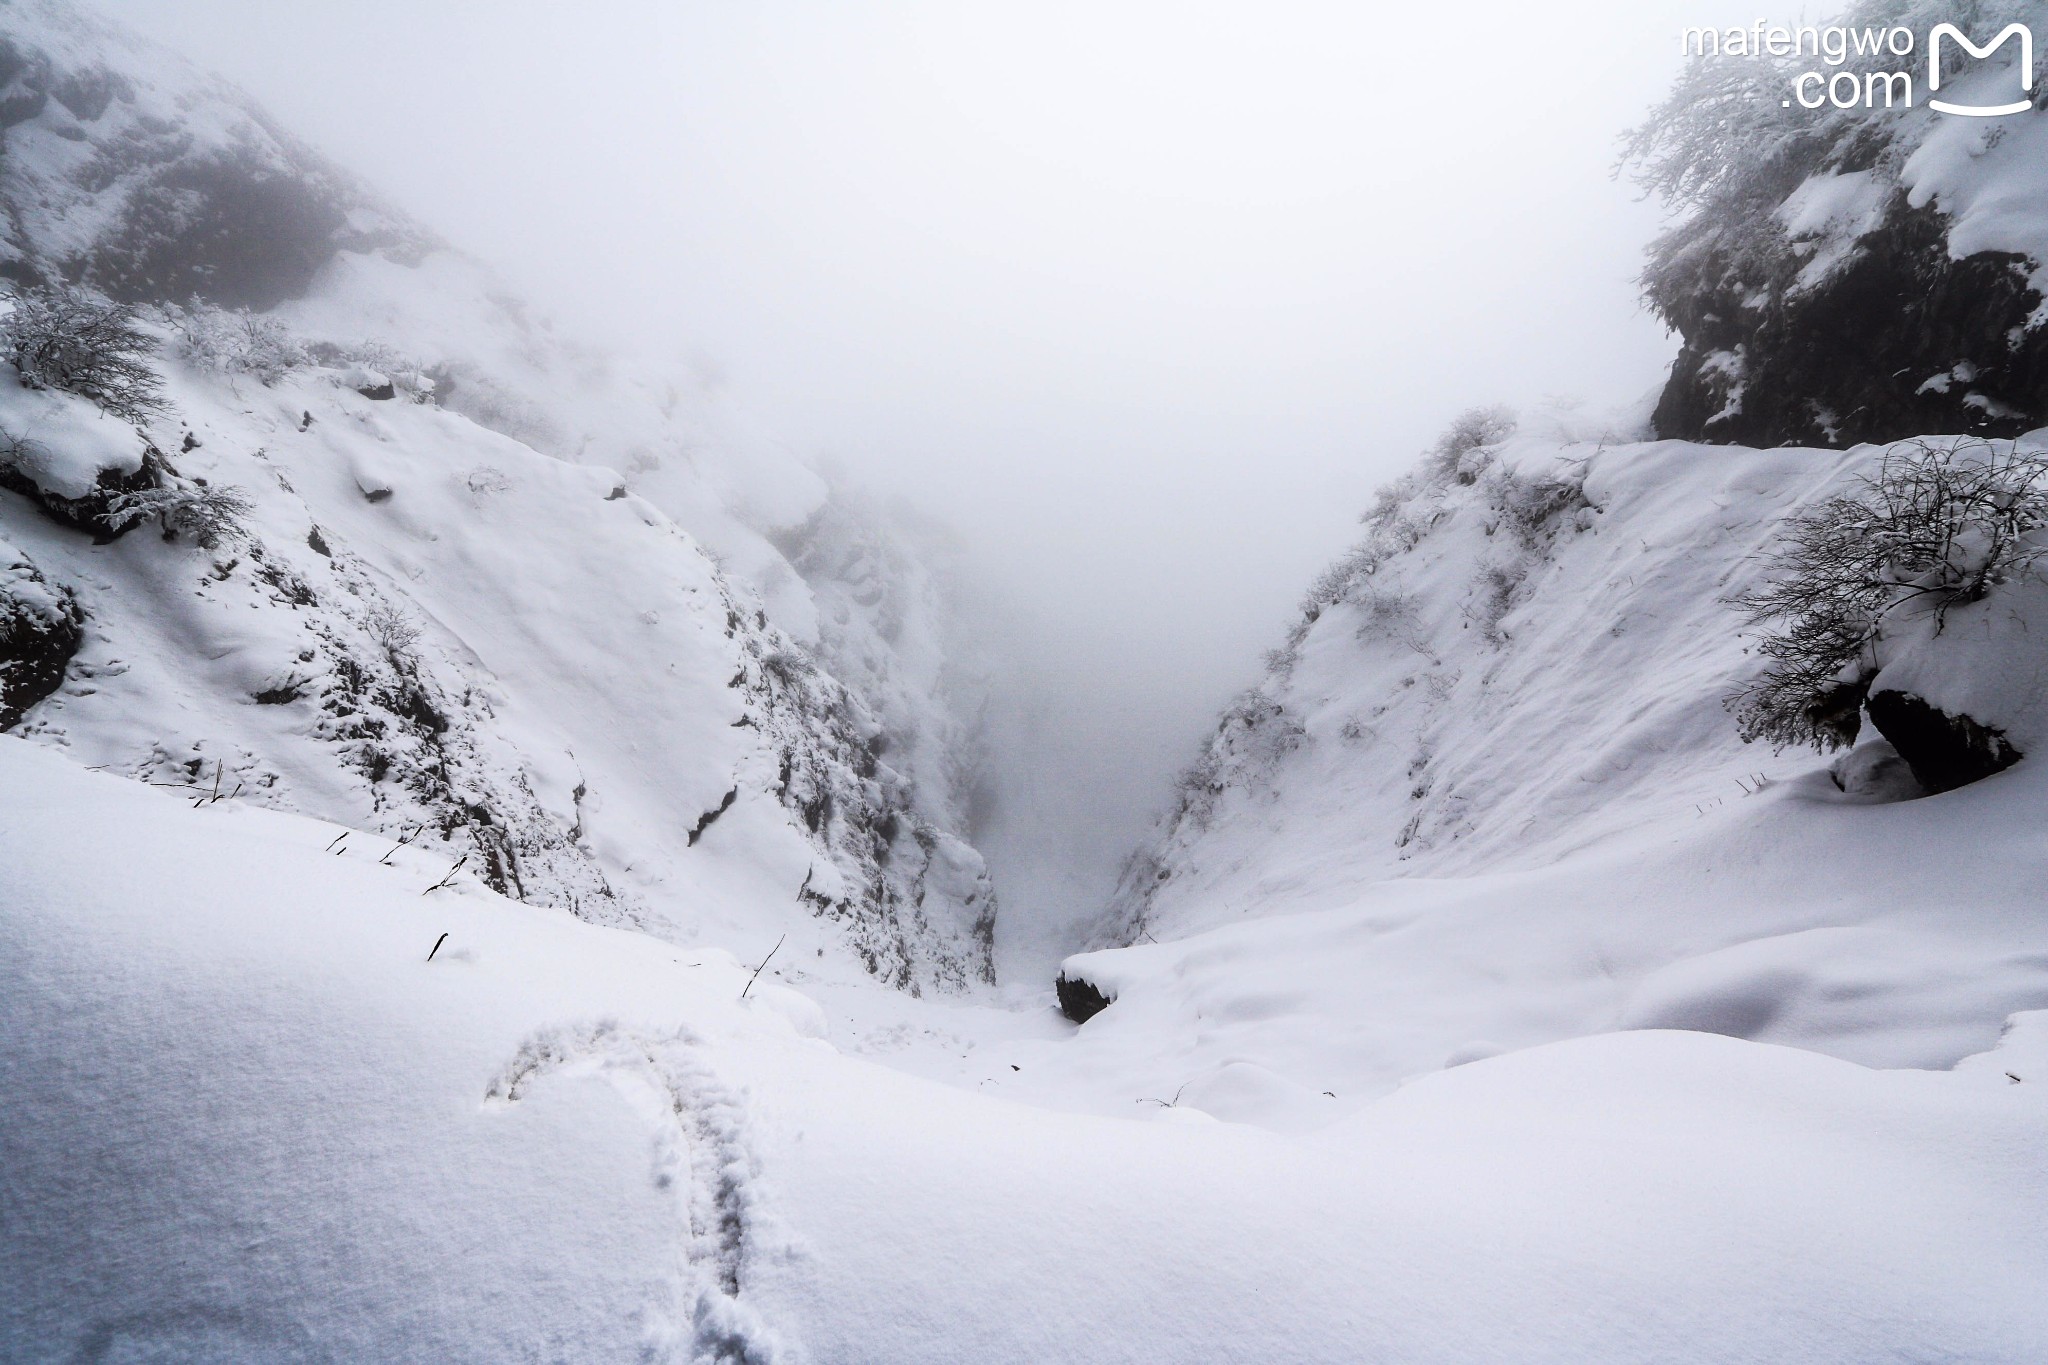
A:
(701, 1157)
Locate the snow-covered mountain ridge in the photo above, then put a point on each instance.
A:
(494, 588)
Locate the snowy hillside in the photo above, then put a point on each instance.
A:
(1490, 795)
(303, 1140)
(492, 585)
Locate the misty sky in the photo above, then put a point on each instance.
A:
(1144, 299)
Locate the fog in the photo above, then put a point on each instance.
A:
(1143, 299)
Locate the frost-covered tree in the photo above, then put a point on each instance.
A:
(1941, 524)
(235, 342)
(78, 341)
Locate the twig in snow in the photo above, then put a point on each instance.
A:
(1173, 1103)
(335, 840)
(385, 861)
(218, 766)
(437, 947)
(448, 880)
(762, 968)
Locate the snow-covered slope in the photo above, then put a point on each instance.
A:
(494, 583)
(1489, 796)
(249, 1119)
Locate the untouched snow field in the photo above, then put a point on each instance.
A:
(246, 1118)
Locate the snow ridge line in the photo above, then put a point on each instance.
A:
(702, 1157)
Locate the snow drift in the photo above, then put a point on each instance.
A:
(249, 1119)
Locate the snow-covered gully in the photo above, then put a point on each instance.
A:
(488, 859)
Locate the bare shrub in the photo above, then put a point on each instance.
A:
(1940, 525)
(1388, 614)
(77, 341)
(209, 517)
(393, 628)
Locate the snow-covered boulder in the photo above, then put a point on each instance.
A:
(71, 459)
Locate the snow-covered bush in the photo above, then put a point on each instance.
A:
(78, 341)
(210, 517)
(1452, 458)
(1726, 134)
(1531, 508)
(1389, 614)
(1493, 597)
(409, 378)
(1941, 524)
(235, 342)
(1400, 515)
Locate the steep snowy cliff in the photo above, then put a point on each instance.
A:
(477, 584)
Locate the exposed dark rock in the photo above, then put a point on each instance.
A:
(41, 627)
(88, 91)
(1080, 1001)
(92, 513)
(228, 232)
(710, 817)
(1851, 358)
(1944, 751)
(282, 694)
(379, 392)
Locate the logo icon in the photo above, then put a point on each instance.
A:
(2026, 37)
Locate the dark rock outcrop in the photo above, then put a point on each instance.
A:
(244, 220)
(1944, 751)
(1080, 1001)
(1899, 340)
(41, 627)
(93, 513)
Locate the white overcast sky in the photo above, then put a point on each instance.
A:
(1144, 298)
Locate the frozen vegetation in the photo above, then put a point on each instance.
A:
(487, 868)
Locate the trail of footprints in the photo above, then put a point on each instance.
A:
(701, 1157)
